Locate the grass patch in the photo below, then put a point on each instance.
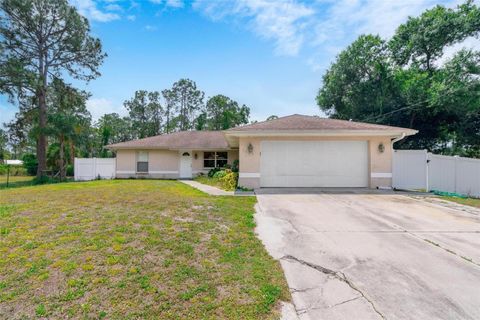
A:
(15, 181)
(26, 181)
(214, 182)
(473, 202)
(133, 249)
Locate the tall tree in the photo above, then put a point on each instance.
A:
(170, 111)
(408, 82)
(68, 117)
(146, 113)
(3, 145)
(45, 39)
(224, 113)
(360, 83)
(111, 128)
(187, 101)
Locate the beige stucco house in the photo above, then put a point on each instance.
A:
(292, 151)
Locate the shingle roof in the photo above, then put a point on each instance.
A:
(178, 140)
(302, 122)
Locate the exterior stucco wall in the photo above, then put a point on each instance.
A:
(162, 164)
(380, 163)
(197, 164)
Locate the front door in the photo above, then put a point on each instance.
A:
(185, 164)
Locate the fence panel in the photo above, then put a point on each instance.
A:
(409, 169)
(92, 168)
(468, 176)
(441, 173)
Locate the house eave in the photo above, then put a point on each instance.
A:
(325, 133)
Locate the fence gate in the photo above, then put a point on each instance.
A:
(418, 169)
(93, 168)
(410, 169)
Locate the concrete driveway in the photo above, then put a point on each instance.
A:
(360, 254)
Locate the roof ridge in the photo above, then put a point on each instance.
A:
(271, 120)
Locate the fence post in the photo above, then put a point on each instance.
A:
(94, 168)
(427, 173)
(455, 173)
(75, 166)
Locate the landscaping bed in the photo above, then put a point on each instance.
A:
(133, 249)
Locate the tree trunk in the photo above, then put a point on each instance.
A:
(72, 153)
(62, 158)
(42, 138)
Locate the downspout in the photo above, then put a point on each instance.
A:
(402, 136)
(398, 138)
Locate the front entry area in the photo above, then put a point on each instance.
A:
(185, 164)
(314, 164)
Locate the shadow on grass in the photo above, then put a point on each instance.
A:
(27, 181)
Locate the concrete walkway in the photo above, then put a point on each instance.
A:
(213, 191)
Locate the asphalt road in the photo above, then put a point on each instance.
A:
(360, 254)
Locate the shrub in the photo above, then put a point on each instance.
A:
(15, 170)
(70, 172)
(235, 165)
(212, 172)
(229, 180)
(30, 163)
(220, 174)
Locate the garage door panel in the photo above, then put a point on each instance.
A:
(314, 164)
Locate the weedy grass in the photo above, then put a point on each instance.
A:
(130, 249)
(15, 181)
(214, 182)
(474, 202)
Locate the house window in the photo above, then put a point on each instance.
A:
(215, 159)
(142, 162)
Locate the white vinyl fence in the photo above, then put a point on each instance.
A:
(419, 169)
(92, 168)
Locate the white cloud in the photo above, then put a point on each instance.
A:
(284, 22)
(88, 8)
(131, 17)
(113, 7)
(150, 28)
(100, 106)
(321, 28)
(175, 3)
(170, 3)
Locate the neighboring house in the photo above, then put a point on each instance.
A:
(292, 151)
(14, 162)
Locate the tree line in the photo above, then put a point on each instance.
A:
(71, 131)
(44, 44)
(409, 81)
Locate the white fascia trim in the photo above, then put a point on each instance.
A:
(125, 172)
(163, 172)
(325, 133)
(381, 174)
(249, 175)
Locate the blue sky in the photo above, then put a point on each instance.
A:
(269, 55)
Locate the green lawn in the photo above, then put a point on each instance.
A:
(466, 201)
(15, 181)
(133, 249)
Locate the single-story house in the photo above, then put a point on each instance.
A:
(292, 151)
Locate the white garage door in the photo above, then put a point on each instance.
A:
(314, 164)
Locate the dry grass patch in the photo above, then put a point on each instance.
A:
(474, 202)
(131, 249)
